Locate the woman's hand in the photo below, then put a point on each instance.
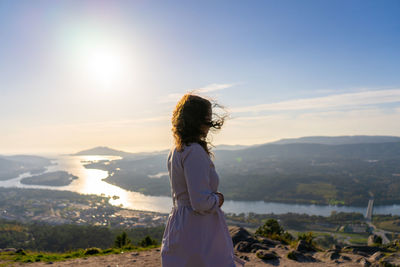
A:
(221, 198)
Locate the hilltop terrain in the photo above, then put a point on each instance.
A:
(253, 250)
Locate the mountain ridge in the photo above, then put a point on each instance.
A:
(324, 140)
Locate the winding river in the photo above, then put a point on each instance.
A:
(90, 182)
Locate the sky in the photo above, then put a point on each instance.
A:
(79, 74)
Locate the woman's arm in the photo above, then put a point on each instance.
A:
(196, 167)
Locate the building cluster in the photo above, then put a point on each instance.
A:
(63, 211)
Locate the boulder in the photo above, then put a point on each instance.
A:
(374, 239)
(364, 262)
(243, 246)
(376, 256)
(337, 247)
(365, 251)
(300, 257)
(240, 234)
(345, 258)
(332, 255)
(244, 257)
(303, 246)
(282, 247)
(391, 260)
(268, 242)
(266, 255)
(20, 251)
(257, 246)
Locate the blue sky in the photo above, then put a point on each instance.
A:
(75, 74)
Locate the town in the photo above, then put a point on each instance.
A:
(62, 207)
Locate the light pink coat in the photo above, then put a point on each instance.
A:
(196, 234)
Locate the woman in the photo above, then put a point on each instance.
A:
(196, 233)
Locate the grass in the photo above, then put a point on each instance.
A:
(353, 238)
(31, 256)
(359, 241)
(320, 190)
(390, 225)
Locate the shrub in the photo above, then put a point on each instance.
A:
(291, 255)
(272, 229)
(147, 241)
(92, 251)
(308, 237)
(269, 228)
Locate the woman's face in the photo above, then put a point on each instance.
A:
(206, 127)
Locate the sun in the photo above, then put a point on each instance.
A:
(104, 66)
(99, 58)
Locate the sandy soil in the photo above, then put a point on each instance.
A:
(151, 258)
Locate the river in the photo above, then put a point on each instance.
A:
(90, 181)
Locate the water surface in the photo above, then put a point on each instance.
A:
(90, 181)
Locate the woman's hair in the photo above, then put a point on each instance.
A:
(191, 113)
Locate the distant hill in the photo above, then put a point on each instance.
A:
(339, 140)
(102, 150)
(13, 166)
(230, 147)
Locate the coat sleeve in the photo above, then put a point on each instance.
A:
(196, 167)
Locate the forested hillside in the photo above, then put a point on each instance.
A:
(347, 174)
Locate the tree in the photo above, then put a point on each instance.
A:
(270, 227)
(122, 240)
(147, 241)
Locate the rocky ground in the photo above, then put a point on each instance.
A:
(256, 251)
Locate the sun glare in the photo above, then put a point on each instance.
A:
(101, 60)
(104, 66)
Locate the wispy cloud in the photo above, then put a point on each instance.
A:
(355, 100)
(213, 87)
(206, 89)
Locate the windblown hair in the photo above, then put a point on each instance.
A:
(190, 114)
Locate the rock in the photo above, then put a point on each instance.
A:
(259, 246)
(376, 256)
(92, 251)
(303, 246)
(268, 242)
(374, 240)
(240, 234)
(332, 255)
(300, 257)
(337, 247)
(345, 258)
(243, 246)
(365, 251)
(266, 255)
(282, 247)
(391, 260)
(20, 251)
(244, 257)
(364, 262)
